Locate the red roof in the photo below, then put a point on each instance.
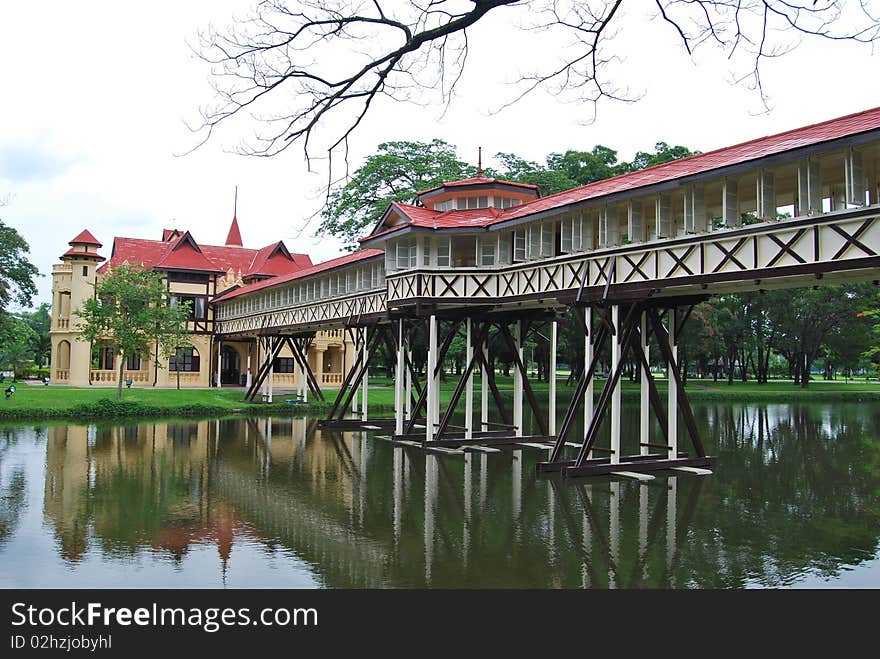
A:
(755, 149)
(346, 259)
(85, 238)
(478, 180)
(82, 255)
(212, 258)
(185, 254)
(426, 218)
(233, 238)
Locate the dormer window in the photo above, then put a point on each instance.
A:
(447, 205)
(467, 203)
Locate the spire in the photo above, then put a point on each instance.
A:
(233, 238)
(479, 162)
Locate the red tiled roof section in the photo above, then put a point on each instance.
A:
(354, 257)
(185, 254)
(85, 238)
(276, 260)
(430, 219)
(82, 255)
(755, 149)
(241, 260)
(478, 180)
(233, 238)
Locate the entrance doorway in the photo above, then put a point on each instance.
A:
(230, 365)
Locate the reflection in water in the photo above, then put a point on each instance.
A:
(279, 502)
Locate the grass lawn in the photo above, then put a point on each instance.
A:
(35, 401)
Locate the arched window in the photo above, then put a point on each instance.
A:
(63, 356)
(185, 359)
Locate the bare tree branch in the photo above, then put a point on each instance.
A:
(310, 71)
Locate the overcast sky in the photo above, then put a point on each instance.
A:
(95, 96)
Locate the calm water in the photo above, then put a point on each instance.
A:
(795, 501)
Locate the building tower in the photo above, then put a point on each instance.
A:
(73, 282)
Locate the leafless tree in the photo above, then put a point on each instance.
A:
(309, 71)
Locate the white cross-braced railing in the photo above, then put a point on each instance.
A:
(831, 242)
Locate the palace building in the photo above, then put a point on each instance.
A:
(196, 274)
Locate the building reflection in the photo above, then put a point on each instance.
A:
(364, 513)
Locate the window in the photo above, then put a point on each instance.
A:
(571, 234)
(133, 363)
(519, 245)
(487, 250)
(504, 247)
(390, 258)
(284, 365)
(534, 242)
(185, 359)
(466, 203)
(198, 305)
(504, 202)
(444, 250)
(103, 357)
(407, 254)
(444, 205)
(85, 271)
(547, 239)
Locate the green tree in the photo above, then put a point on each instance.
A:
(395, 173)
(587, 166)
(549, 181)
(17, 340)
(662, 153)
(131, 309)
(40, 321)
(16, 272)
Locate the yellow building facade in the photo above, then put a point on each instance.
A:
(194, 274)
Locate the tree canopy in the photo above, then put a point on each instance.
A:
(131, 310)
(394, 173)
(17, 273)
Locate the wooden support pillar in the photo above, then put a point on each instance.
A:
(433, 380)
(551, 422)
(409, 381)
(615, 392)
(644, 387)
(518, 380)
(484, 386)
(588, 360)
(271, 379)
(469, 387)
(672, 416)
(365, 357)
